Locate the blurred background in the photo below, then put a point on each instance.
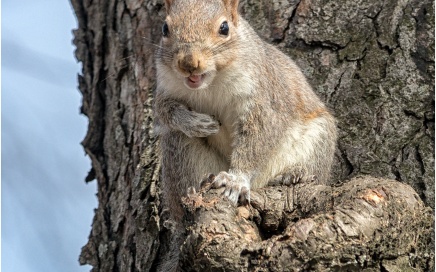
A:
(46, 207)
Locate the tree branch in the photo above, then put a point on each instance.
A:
(366, 223)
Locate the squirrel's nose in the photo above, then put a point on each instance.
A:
(189, 63)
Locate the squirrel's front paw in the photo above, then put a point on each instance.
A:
(237, 186)
(200, 125)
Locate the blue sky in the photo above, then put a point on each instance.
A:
(47, 208)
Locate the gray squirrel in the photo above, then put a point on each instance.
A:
(230, 104)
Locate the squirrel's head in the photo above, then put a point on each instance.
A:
(199, 38)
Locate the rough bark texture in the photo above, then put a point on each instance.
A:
(372, 62)
(367, 224)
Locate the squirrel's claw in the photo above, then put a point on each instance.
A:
(237, 186)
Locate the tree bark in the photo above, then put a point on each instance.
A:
(372, 62)
(367, 224)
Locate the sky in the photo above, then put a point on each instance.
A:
(46, 206)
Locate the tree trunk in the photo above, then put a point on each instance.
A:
(372, 62)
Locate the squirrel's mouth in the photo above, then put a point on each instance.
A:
(195, 81)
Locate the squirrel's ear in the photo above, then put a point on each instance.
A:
(168, 4)
(232, 7)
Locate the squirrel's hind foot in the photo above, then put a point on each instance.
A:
(290, 179)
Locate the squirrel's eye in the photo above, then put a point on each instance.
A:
(165, 30)
(224, 28)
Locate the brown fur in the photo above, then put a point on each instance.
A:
(253, 116)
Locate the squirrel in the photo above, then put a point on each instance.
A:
(229, 103)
